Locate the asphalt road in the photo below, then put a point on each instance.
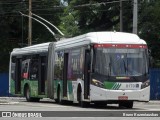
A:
(46, 107)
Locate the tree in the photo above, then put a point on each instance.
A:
(83, 16)
(149, 27)
(9, 33)
(14, 27)
(78, 17)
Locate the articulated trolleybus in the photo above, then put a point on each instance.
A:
(97, 67)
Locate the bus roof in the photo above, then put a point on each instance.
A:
(100, 38)
(39, 48)
(89, 38)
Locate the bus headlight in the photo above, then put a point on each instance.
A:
(97, 83)
(145, 84)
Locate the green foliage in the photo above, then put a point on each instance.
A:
(69, 24)
(14, 27)
(149, 27)
(79, 17)
(83, 16)
(9, 33)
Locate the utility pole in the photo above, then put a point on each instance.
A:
(121, 16)
(30, 24)
(135, 17)
(22, 27)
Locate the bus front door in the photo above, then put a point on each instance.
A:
(65, 71)
(87, 75)
(42, 75)
(18, 76)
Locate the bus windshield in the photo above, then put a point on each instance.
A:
(120, 62)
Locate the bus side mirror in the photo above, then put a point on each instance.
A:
(151, 61)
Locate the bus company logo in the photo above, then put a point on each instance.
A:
(116, 86)
(6, 114)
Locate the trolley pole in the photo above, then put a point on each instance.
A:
(30, 24)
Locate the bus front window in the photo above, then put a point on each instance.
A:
(120, 62)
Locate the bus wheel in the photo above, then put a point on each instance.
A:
(59, 97)
(27, 94)
(127, 104)
(28, 97)
(82, 103)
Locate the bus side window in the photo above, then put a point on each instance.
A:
(58, 67)
(13, 65)
(25, 71)
(34, 69)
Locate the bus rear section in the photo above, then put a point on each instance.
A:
(28, 72)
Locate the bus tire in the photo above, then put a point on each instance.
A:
(126, 104)
(59, 97)
(28, 97)
(27, 94)
(82, 103)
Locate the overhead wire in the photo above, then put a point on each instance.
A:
(20, 2)
(57, 7)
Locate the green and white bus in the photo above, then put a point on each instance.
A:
(97, 67)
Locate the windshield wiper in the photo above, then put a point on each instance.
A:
(125, 68)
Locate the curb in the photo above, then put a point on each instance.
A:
(10, 100)
(154, 102)
(8, 103)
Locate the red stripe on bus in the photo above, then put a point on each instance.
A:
(120, 46)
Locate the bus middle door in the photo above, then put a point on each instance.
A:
(65, 71)
(18, 76)
(87, 74)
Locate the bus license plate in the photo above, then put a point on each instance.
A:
(122, 97)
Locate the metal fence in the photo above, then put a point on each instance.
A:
(155, 84)
(4, 84)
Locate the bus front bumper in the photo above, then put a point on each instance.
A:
(100, 94)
